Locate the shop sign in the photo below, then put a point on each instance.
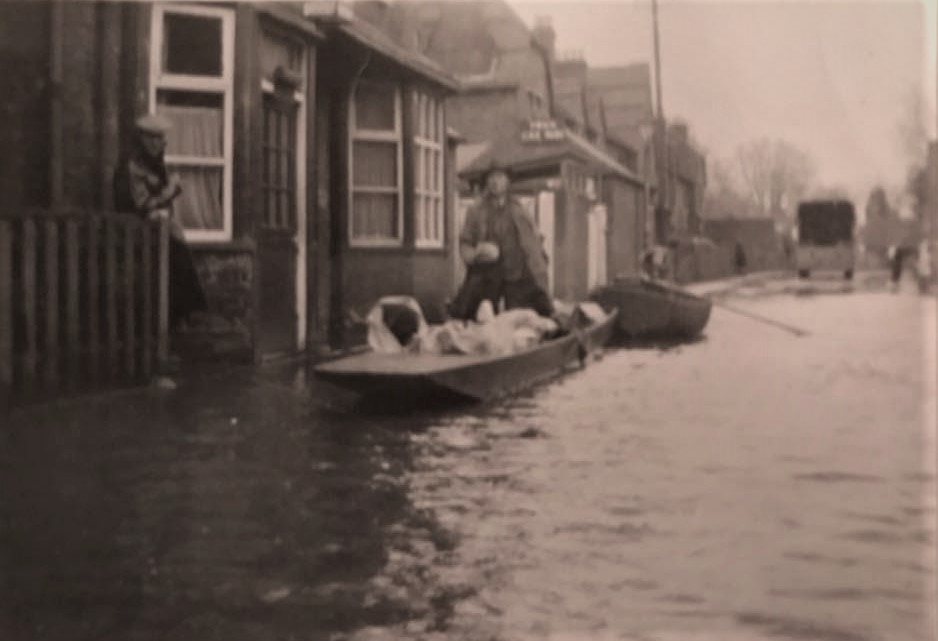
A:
(542, 131)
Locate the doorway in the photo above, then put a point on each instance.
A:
(282, 221)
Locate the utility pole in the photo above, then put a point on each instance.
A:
(654, 20)
(660, 137)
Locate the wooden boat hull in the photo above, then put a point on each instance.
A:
(652, 310)
(428, 377)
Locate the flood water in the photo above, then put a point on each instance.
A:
(752, 485)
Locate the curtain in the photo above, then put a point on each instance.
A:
(374, 215)
(374, 164)
(200, 204)
(197, 131)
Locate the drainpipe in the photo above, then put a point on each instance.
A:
(56, 64)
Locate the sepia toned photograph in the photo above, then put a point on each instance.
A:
(468, 320)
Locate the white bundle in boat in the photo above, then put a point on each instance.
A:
(506, 333)
(396, 325)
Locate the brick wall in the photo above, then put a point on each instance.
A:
(227, 276)
(762, 245)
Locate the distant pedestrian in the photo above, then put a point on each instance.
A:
(143, 186)
(503, 252)
(896, 255)
(924, 269)
(739, 258)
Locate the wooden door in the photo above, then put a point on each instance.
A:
(277, 241)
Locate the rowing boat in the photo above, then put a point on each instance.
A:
(419, 378)
(653, 310)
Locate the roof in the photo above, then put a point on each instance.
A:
(480, 84)
(286, 15)
(625, 92)
(475, 38)
(467, 154)
(373, 38)
(517, 156)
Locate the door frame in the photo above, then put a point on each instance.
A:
(301, 213)
(597, 246)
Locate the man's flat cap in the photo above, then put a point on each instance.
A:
(154, 124)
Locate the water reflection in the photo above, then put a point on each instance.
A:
(214, 512)
(748, 486)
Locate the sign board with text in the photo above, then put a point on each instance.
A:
(542, 131)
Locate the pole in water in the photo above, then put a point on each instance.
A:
(797, 331)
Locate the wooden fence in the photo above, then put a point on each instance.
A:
(83, 302)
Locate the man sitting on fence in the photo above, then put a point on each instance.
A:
(142, 186)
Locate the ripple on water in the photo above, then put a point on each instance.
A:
(848, 594)
(813, 557)
(838, 477)
(873, 536)
(795, 628)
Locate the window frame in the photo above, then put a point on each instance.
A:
(436, 148)
(355, 134)
(217, 85)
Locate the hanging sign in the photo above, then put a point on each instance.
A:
(542, 131)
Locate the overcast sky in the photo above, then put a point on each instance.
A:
(831, 77)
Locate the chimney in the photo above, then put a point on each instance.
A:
(543, 35)
(678, 131)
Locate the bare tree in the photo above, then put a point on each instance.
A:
(725, 197)
(776, 174)
(829, 192)
(911, 130)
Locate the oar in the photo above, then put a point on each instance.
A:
(797, 331)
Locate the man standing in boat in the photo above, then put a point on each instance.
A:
(503, 252)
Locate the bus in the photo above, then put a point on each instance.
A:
(825, 237)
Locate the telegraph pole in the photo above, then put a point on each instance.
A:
(654, 21)
(660, 136)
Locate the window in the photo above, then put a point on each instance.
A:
(283, 131)
(191, 74)
(375, 165)
(279, 179)
(428, 171)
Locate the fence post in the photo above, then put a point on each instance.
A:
(94, 300)
(6, 315)
(51, 344)
(72, 293)
(146, 266)
(162, 337)
(110, 293)
(29, 303)
(130, 343)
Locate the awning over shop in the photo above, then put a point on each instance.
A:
(520, 156)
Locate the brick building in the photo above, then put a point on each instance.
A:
(585, 200)
(311, 144)
(672, 165)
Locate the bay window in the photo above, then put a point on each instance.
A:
(375, 167)
(428, 171)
